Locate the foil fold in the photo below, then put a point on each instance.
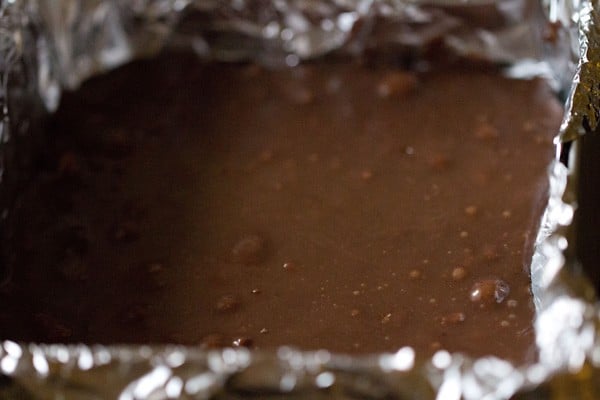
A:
(46, 47)
(583, 102)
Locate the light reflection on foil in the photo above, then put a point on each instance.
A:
(86, 360)
(148, 384)
(402, 360)
(173, 388)
(324, 380)
(582, 102)
(65, 42)
(39, 361)
(566, 335)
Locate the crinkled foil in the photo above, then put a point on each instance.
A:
(583, 106)
(47, 46)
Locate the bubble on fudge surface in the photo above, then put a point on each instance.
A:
(459, 273)
(490, 252)
(489, 290)
(228, 303)
(439, 162)
(249, 250)
(486, 131)
(289, 266)
(366, 174)
(243, 341)
(397, 83)
(453, 318)
(471, 210)
(415, 274)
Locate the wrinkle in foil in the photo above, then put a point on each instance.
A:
(583, 102)
(48, 46)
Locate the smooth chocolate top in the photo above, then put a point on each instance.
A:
(331, 206)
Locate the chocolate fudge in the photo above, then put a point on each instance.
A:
(342, 206)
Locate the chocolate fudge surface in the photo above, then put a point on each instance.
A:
(336, 206)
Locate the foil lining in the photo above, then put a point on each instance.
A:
(46, 47)
(582, 103)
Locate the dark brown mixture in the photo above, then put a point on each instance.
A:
(326, 206)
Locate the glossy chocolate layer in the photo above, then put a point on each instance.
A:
(328, 206)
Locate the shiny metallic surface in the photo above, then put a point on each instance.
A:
(582, 105)
(46, 47)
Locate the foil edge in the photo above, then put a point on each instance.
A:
(445, 376)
